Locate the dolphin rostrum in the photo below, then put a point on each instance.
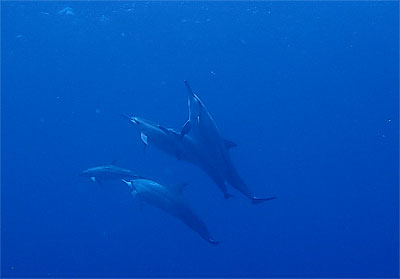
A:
(170, 200)
(183, 148)
(108, 172)
(203, 128)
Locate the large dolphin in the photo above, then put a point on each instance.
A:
(183, 148)
(170, 200)
(204, 129)
(108, 172)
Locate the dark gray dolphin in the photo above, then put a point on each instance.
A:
(108, 172)
(183, 148)
(205, 131)
(170, 200)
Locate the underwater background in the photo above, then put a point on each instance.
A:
(307, 90)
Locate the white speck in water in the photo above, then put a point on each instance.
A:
(213, 73)
(389, 120)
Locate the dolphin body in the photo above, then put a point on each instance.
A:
(203, 128)
(108, 172)
(184, 148)
(171, 201)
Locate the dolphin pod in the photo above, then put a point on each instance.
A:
(199, 143)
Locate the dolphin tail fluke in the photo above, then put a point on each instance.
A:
(256, 200)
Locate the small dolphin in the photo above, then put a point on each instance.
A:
(182, 148)
(108, 172)
(205, 132)
(171, 201)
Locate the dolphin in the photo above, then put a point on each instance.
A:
(170, 200)
(108, 172)
(204, 129)
(184, 148)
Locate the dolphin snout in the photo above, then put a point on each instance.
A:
(84, 173)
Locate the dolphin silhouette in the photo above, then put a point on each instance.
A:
(204, 129)
(184, 148)
(108, 172)
(170, 200)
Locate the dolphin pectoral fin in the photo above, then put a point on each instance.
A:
(186, 128)
(256, 200)
(229, 144)
(143, 137)
(93, 178)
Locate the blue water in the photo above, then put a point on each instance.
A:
(308, 91)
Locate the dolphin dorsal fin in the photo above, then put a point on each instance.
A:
(229, 144)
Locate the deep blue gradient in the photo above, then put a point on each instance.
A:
(308, 91)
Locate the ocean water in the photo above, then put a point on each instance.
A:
(307, 90)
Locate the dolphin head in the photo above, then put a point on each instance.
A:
(86, 173)
(141, 124)
(131, 186)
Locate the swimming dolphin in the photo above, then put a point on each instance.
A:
(171, 201)
(203, 128)
(108, 172)
(184, 148)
